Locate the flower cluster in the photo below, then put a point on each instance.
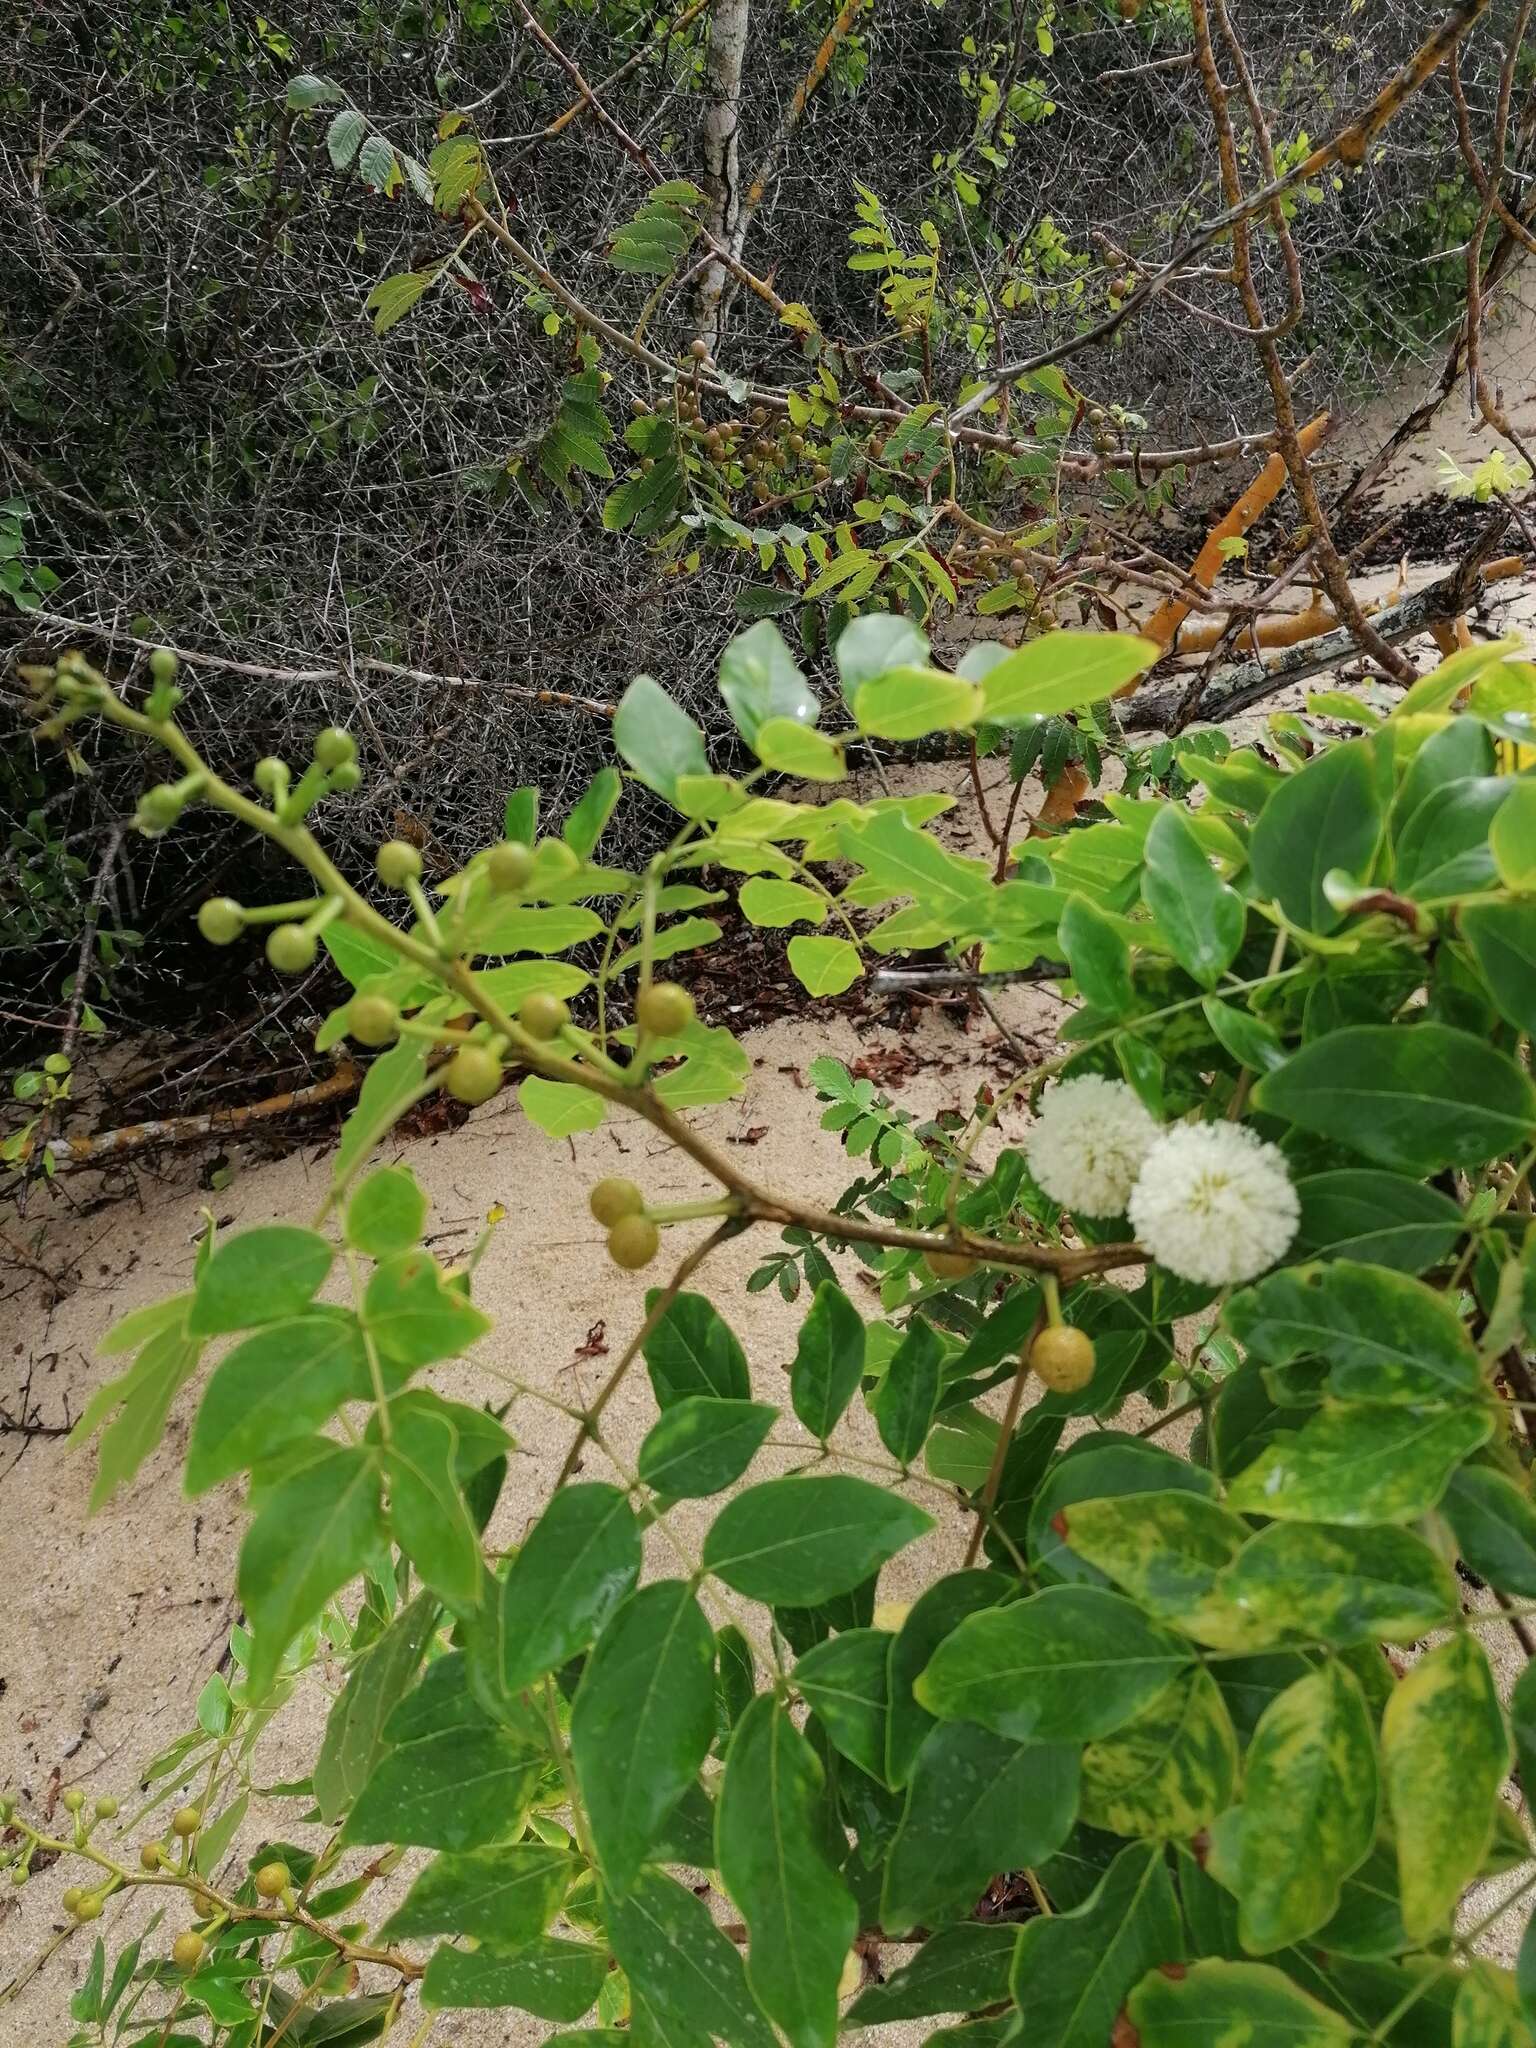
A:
(1211, 1202)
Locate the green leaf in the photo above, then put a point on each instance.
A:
(428, 1514)
(1309, 1808)
(392, 297)
(1494, 1523)
(1202, 919)
(591, 811)
(1488, 2011)
(1357, 1212)
(702, 1444)
(280, 1384)
(908, 1393)
(1327, 816)
(908, 703)
(1360, 1462)
(354, 1728)
(1503, 941)
(657, 739)
(875, 644)
(1098, 956)
(905, 862)
(387, 1213)
(505, 1896)
(136, 1328)
(959, 1969)
(314, 1531)
(938, 1610)
(450, 1777)
(1095, 1468)
(1250, 1042)
(1512, 837)
(306, 90)
(414, 1317)
(775, 904)
(789, 748)
(143, 1397)
(559, 1107)
(1387, 1337)
(824, 967)
(1167, 1550)
(1073, 1971)
(642, 1722)
(259, 1276)
(692, 1351)
(760, 679)
(580, 1559)
(977, 1804)
(797, 1542)
(1444, 1753)
(1062, 671)
(846, 1682)
(1242, 2005)
(1068, 1664)
(395, 1080)
(1170, 1771)
(85, 2004)
(770, 1845)
(1415, 1097)
(1342, 1586)
(553, 1979)
(681, 1966)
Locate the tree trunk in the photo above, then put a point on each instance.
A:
(722, 170)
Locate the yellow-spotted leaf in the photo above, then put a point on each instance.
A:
(1169, 1772)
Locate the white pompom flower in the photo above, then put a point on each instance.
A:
(1087, 1144)
(1214, 1204)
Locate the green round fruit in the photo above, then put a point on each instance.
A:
(397, 862)
(373, 1020)
(612, 1199)
(272, 1880)
(633, 1242)
(291, 949)
(663, 1010)
(159, 808)
(187, 1950)
(163, 665)
(473, 1075)
(73, 1799)
(106, 1808)
(542, 1015)
(72, 1898)
(510, 866)
(151, 1856)
(1062, 1359)
(950, 1265)
(335, 747)
(270, 775)
(346, 778)
(220, 920)
(186, 1820)
(89, 1907)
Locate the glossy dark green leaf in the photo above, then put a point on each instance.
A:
(656, 738)
(314, 1531)
(1382, 1219)
(413, 1315)
(1369, 1920)
(1099, 957)
(977, 1804)
(1201, 917)
(642, 1722)
(1247, 1038)
(354, 1728)
(737, 1668)
(1444, 1751)
(1066, 1665)
(940, 1608)
(259, 1276)
(505, 1896)
(1494, 1523)
(428, 1513)
(1073, 1971)
(281, 1383)
(829, 1360)
(1442, 846)
(579, 1560)
(959, 1969)
(1327, 816)
(1341, 1586)
(1358, 1462)
(692, 1351)
(1503, 940)
(1309, 1808)
(450, 1777)
(773, 1857)
(702, 1444)
(1242, 2005)
(797, 1542)
(1415, 1097)
(846, 1682)
(386, 1213)
(1167, 1550)
(551, 1978)
(1386, 1336)
(908, 1393)
(681, 1965)
(1170, 1771)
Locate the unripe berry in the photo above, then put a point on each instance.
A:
(186, 1820)
(187, 1950)
(346, 778)
(633, 1242)
(473, 1075)
(373, 1020)
(163, 665)
(73, 1800)
(950, 1265)
(510, 865)
(542, 1015)
(397, 862)
(72, 1898)
(663, 1010)
(335, 747)
(159, 808)
(220, 920)
(291, 949)
(699, 350)
(88, 1907)
(1062, 1358)
(151, 1856)
(614, 1198)
(106, 1808)
(558, 859)
(270, 775)
(272, 1880)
